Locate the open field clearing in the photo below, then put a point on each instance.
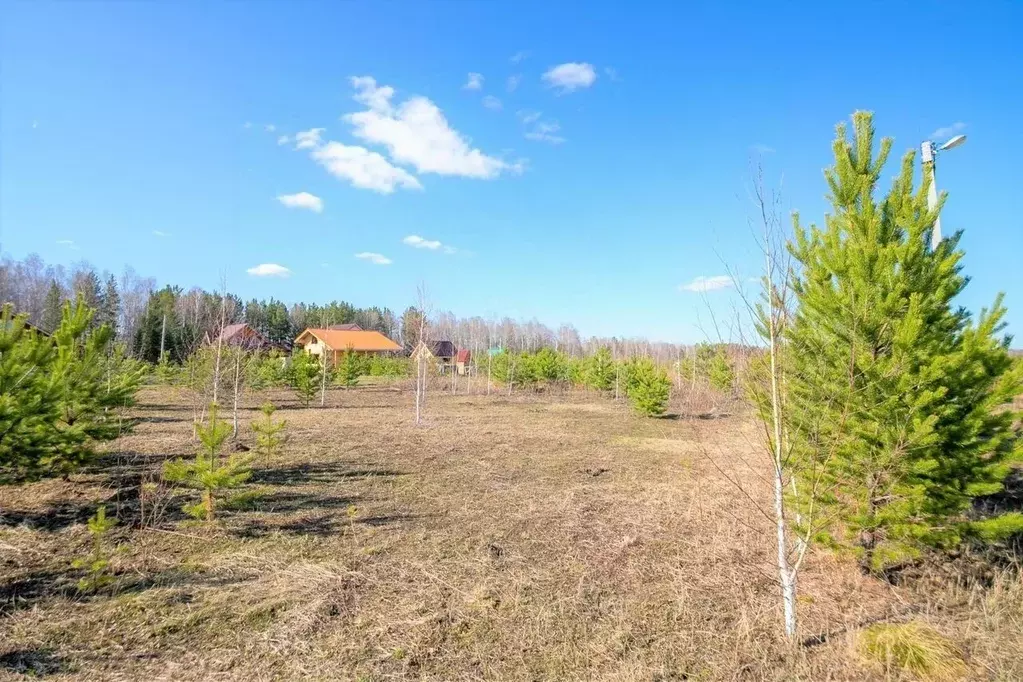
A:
(508, 538)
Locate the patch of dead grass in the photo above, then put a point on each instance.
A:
(550, 537)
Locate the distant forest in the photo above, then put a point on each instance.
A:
(138, 308)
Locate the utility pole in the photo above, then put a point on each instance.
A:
(928, 154)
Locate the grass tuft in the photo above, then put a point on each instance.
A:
(912, 649)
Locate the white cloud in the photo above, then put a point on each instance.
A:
(269, 270)
(519, 56)
(374, 258)
(418, 242)
(363, 168)
(704, 284)
(302, 200)
(761, 148)
(570, 76)
(492, 103)
(417, 134)
(160, 233)
(283, 139)
(612, 73)
(35, 124)
(527, 116)
(269, 127)
(475, 82)
(545, 131)
(69, 243)
(513, 82)
(247, 125)
(948, 131)
(308, 139)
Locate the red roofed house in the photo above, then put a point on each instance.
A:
(334, 342)
(462, 359)
(243, 336)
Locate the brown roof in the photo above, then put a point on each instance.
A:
(242, 334)
(463, 356)
(350, 327)
(337, 339)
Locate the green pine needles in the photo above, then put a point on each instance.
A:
(305, 376)
(648, 387)
(269, 433)
(350, 369)
(60, 396)
(895, 396)
(97, 563)
(209, 472)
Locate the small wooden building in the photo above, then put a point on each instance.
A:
(440, 352)
(462, 360)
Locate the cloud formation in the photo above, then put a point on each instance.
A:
(948, 131)
(545, 131)
(492, 103)
(475, 82)
(528, 116)
(513, 82)
(160, 233)
(283, 140)
(374, 258)
(414, 240)
(304, 200)
(308, 139)
(570, 76)
(703, 284)
(69, 243)
(269, 270)
(416, 133)
(519, 56)
(363, 168)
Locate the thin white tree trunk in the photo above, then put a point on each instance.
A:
(786, 573)
(237, 387)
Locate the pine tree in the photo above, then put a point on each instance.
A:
(209, 472)
(600, 374)
(269, 432)
(52, 307)
(29, 400)
(305, 376)
(97, 562)
(648, 387)
(349, 370)
(893, 391)
(109, 305)
(59, 396)
(720, 373)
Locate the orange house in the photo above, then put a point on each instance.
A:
(334, 342)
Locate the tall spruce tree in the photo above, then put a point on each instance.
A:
(52, 307)
(895, 393)
(109, 305)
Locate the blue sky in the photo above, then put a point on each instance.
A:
(139, 133)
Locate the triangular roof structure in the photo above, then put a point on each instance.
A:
(339, 340)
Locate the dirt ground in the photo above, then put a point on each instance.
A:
(551, 537)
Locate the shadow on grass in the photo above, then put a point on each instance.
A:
(326, 472)
(123, 474)
(29, 589)
(323, 525)
(34, 662)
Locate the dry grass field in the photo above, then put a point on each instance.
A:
(507, 538)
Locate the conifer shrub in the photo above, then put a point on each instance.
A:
(209, 472)
(648, 387)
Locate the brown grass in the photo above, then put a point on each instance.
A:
(509, 538)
